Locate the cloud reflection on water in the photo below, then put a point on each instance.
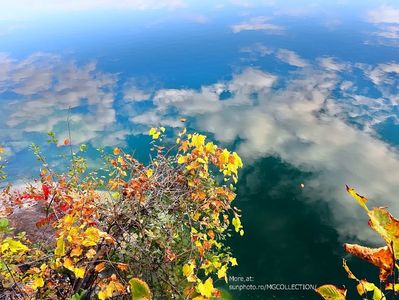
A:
(297, 118)
(303, 124)
(42, 88)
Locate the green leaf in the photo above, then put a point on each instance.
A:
(4, 225)
(78, 296)
(331, 292)
(386, 226)
(139, 289)
(365, 287)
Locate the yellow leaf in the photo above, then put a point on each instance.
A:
(79, 272)
(222, 273)
(237, 224)
(181, 159)
(37, 283)
(13, 246)
(69, 220)
(91, 237)
(188, 271)
(233, 261)
(198, 140)
(210, 147)
(206, 289)
(68, 263)
(43, 267)
(390, 286)
(149, 172)
(359, 198)
(101, 295)
(152, 131)
(224, 157)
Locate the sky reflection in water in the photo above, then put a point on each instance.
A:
(304, 92)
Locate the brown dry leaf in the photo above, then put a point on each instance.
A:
(379, 257)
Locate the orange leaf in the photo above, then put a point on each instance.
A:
(122, 267)
(117, 151)
(379, 257)
(100, 267)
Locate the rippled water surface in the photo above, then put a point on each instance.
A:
(305, 91)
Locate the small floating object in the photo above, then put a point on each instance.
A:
(302, 185)
(183, 120)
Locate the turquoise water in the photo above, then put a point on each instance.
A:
(305, 91)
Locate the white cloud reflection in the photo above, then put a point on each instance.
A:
(295, 118)
(302, 124)
(384, 14)
(44, 88)
(291, 58)
(257, 23)
(386, 20)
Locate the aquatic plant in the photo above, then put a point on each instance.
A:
(142, 231)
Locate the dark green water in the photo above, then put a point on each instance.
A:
(288, 238)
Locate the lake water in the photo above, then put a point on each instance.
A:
(305, 91)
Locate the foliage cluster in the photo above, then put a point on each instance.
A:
(385, 257)
(154, 231)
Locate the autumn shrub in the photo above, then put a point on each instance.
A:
(385, 258)
(141, 231)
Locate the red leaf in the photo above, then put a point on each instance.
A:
(45, 221)
(46, 191)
